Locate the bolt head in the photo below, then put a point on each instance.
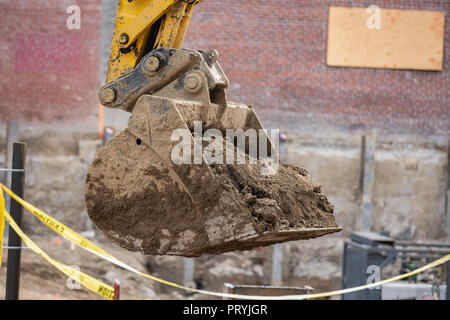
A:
(107, 95)
(213, 55)
(152, 64)
(192, 83)
(123, 38)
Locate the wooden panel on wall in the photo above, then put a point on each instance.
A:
(404, 39)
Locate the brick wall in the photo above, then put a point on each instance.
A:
(49, 74)
(274, 54)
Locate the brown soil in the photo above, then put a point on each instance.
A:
(143, 204)
(284, 201)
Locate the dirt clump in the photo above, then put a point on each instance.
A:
(284, 201)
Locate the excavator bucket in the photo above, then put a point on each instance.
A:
(194, 173)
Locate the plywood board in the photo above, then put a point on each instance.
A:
(406, 39)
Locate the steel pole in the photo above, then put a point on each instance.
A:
(16, 210)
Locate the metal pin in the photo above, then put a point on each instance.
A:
(11, 170)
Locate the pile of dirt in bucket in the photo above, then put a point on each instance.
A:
(148, 204)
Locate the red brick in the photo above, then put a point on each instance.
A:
(274, 54)
(49, 73)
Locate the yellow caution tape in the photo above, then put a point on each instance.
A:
(80, 277)
(57, 226)
(379, 283)
(2, 223)
(74, 237)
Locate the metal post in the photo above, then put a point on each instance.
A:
(277, 265)
(344, 269)
(362, 165)
(447, 195)
(116, 289)
(17, 186)
(447, 292)
(188, 273)
(368, 179)
(12, 135)
(228, 288)
(277, 257)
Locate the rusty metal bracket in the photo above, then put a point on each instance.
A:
(160, 68)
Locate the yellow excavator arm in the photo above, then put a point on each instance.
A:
(144, 25)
